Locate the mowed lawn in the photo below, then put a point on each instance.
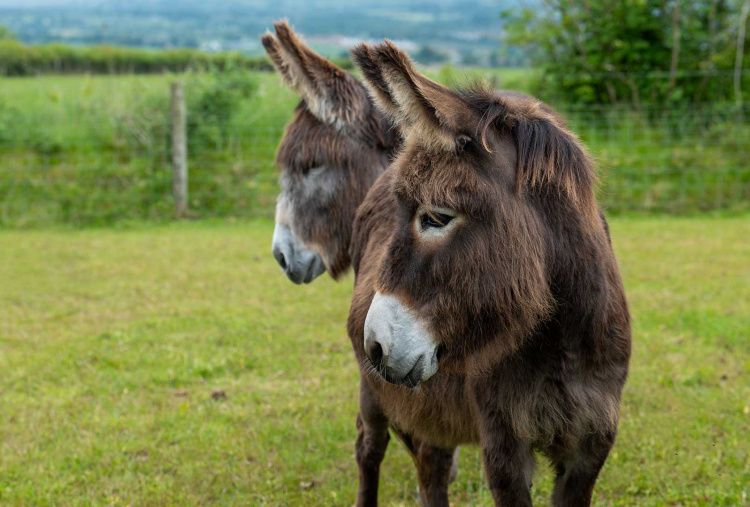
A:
(174, 364)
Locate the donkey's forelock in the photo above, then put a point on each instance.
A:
(550, 158)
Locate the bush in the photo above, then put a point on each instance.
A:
(213, 107)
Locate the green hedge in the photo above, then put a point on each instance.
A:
(18, 59)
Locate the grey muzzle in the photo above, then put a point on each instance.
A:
(300, 264)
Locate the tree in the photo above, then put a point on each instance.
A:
(631, 51)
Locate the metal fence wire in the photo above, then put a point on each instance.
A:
(87, 150)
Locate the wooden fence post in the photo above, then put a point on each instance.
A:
(179, 150)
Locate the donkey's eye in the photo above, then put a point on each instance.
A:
(435, 220)
(431, 222)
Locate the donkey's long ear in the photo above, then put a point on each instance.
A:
(330, 92)
(420, 106)
(369, 65)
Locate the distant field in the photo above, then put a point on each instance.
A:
(175, 365)
(86, 150)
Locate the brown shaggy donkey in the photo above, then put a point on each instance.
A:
(488, 306)
(335, 147)
(333, 150)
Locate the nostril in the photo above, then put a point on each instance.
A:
(376, 354)
(440, 354)
(414, 376)
(278, 254)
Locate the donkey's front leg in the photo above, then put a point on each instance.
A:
(577, 472)
(372, 441)
(508, 465)
(436, 468)
(508, 460)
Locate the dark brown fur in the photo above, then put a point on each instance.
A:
(525, 297)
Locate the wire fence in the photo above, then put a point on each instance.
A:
(664, 159)
(83, 153)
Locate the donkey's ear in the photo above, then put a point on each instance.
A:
(275, 53)
(330, 92)
(369, 65)
(420, 106)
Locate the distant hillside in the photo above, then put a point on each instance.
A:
(466, 31)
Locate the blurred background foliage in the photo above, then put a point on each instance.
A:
(657, 90)
(635, 51)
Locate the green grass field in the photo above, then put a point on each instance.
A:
(174, 364)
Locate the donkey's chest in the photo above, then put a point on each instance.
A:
(439, 412)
